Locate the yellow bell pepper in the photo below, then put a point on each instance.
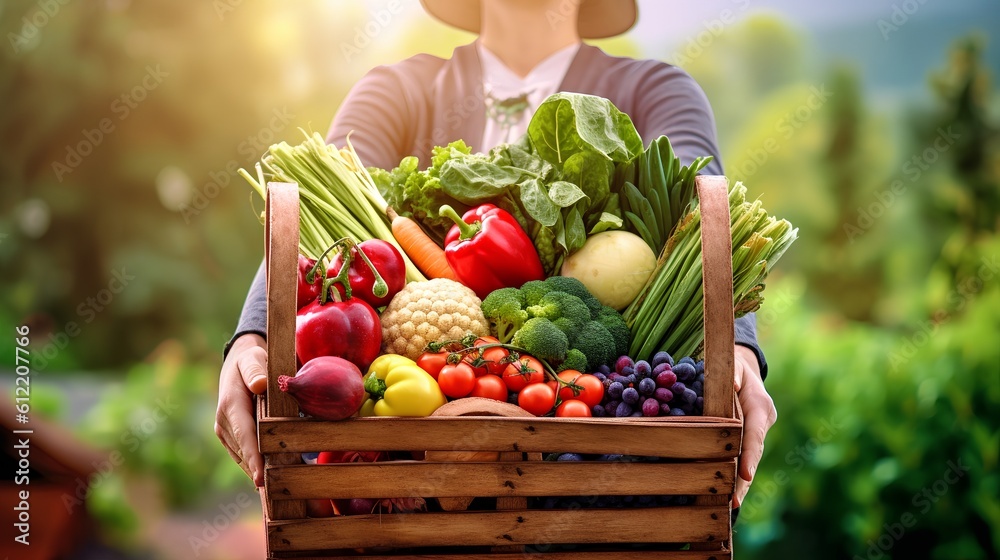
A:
(397, 386)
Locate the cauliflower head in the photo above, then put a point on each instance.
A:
(430, 311)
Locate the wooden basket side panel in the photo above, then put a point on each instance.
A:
(503, 528)
(705, 440)
(417, 479)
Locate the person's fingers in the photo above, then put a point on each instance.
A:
(746, 365)
(244, 433)
(225, 436)
(252, 364)
(244, 372)
(758, 417)
(742, 488)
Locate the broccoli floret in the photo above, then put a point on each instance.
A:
(533, 291)
(503, 296)
(504, 308)
(542, 339)
(567, 326)
(615, 323)
(575, 287)
(594, 305)
(597, 344)
(575, 359)
(569, 285)
(560, 305)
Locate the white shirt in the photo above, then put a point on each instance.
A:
(508, 121)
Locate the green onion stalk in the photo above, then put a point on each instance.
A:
(337, 196)
(668, 314)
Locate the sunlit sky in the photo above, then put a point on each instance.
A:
(667, 22)
(676, 19)
(839, 30)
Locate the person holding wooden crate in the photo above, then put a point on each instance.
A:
(485, 94)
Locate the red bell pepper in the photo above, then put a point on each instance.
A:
(488, 250)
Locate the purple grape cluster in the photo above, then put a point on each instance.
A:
(659, 387)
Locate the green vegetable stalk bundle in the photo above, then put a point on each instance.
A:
(656, 191)
(337, 197)
(668, 314)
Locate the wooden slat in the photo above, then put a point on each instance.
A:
(717, 286)
(671, 524)
(285, 509)
(615, 555)
(510, 462)
(510, 502)
(528, 478)
(680, 440)
(724, 500)
(281, 254)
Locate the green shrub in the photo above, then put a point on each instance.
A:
(873, 427)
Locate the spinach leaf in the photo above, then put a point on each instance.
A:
(521, 158)
(593, 174)
(605, 222)
(576, 234)
(565, 194)
(560, 232)
(473, 180)
(537, 203)
(569, 123)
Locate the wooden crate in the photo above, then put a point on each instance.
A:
(702, 451)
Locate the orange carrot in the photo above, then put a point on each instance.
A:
(421, 249)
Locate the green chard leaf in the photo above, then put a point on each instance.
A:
(521, 157)
(565, 194)
(560, 231)
(592, 173)
(576, 233)
(569, 123)
(474, 180)
(537, 203)
(605, 222)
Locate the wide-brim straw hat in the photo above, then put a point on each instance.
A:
(598, 18)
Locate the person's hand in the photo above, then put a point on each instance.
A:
(759, 415)
(243, 373)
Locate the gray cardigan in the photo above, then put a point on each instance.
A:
(409, 107)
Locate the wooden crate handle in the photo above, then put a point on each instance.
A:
(281, 253)
(717, 286)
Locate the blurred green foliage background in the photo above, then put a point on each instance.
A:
(127, 241)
